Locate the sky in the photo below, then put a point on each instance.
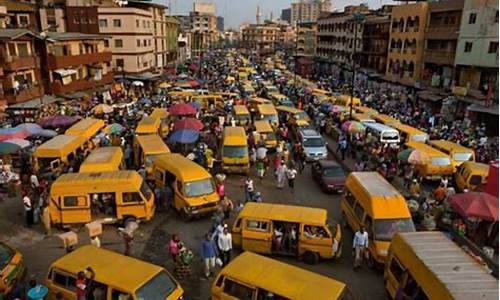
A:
(236, 12)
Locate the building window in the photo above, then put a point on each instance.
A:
(118, 43)
(145, 43)
(472, 18)
(137, 23)
(106, 43)
(144, 23)
(91, 21)
(138, 43)
(103, 23)
(468, 47)
(493, 48)
(120, 62)
(24, 20)
(496, 17)
(149, 42)
(117, 23)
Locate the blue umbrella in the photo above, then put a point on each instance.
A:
(196, 104)
(33, 128)
(145, 101)
(184, 136)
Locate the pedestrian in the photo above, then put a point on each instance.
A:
(221, 191)
(174, 247)
(142, 171)
(227, 206)
(249, 189)
(225, 245)
(280, 175)
(359, 246)
(261, 168)
(291, 173)
(28, 209)
(343, 147)
(414, 188)
(46, 220)
(128, 238)
(209, 253)
(81, 286)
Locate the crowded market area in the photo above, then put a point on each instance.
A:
(236, 178)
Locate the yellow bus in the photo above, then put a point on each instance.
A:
(235, 157)
(88, 128)
(12, 267)
(372, 202)
(428, 265)
(146, 149)
(440, 163)
(241, 115)
(265, 133)
(267, 112)
(118, 276)
(410, 134)
(207, 101)
(365, 110)
(253, 276)
(317, 237)
(386, 120)
(471, 176)
(118, 196)
(458, 153)
(345, 100)
(163, 115)
(193, 187)
(293, 113)
(103, 159)
(149, 125)
(57, 153)
(253, 102)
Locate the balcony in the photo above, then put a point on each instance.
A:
(24, 95)
(59, 62)
(442, 32)
(440, 57)
(79, 85)
(15, 63)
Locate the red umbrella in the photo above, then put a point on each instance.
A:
(476, 205)
(182, 109)
(56, 121)
(188, 123)
(194, 83)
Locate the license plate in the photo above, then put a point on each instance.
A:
(194, 211)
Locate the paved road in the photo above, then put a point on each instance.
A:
(39, 252)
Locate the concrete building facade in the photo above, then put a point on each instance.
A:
(308, 10)
(306, 39)
(375, 43)
(262, 38)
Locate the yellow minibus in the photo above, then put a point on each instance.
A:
(78, 198)
(146, 148)
(257, 225)
(148, 125)
(88, 128)
(57, 153)
(117, 277)
(458, 153)
(267, 112)
(241, 115)
(440, 163)
(265, 133)
(372, 202)
(410, 134)
(103, 159)
(12, 268)
(235, 150)
(253, 276)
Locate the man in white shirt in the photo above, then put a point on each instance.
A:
(225, 245)
(28, 209)
(359, 246)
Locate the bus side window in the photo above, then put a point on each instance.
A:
(359, 212)
(65, 281)
(237, 290)
(396, 269)
(219, 281)
(238, 223)
(133, 197)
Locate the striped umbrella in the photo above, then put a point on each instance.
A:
(12, 133)
(353, 126)
(20, 142)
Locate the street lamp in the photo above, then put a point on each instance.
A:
(358, 18)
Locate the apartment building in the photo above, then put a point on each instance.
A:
(476, 56)
(134, 42)
(262, 38)
(309, 10)
(21, 14)
(376, 33)
(306, 39)
(405, 58)
(75, 62)
(441, 38)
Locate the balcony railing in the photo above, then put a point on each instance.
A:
(57, 62)
(13, 97)
(442, 57)
(78, 85)
(14, 63)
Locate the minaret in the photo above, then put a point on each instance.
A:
(258, 14)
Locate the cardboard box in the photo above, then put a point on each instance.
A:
(94, 228)
(69, 239)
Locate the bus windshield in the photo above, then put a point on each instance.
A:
(199, 187)
(6, 255)
(440, 161)
(384, 230)
(158, 288)
(270, 118)
(235, 151)
(146, 190)
(465, 156)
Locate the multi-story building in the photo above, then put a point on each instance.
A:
(75, 61)
(306, 39)
(441, 42)
(286, 15)
(376, 33)
(20, 76)
(21, 14)
(220, 23)
(172, 35)
(308, 10)
(262, 38)
(136, 45)
(203, 27)
(406, 44)
(476, 56)
(183, 47)
(338, 34)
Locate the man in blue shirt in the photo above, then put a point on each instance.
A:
(209, 253)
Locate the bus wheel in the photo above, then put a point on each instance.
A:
(311, 258)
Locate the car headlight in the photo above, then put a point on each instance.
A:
(382, 252)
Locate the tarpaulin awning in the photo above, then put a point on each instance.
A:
(65, 72)
(492, 110)
(475, 205)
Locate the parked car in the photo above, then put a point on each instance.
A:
(329, 175)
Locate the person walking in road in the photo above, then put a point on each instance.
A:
(174, 247)
(291, 173)
(209, 253)
(225, 245)
(280, 175)
(343, 147)
(28, 209)
(249, 189)
(359, 246)
(227, 206)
